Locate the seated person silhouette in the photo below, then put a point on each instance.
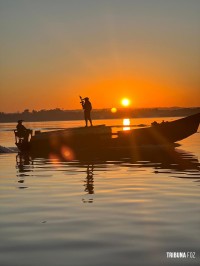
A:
(22, 131)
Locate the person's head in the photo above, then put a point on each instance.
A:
(86, 99)
(20, 121)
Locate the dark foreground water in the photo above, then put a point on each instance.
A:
(115, 210)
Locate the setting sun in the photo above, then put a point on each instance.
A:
(125, 102)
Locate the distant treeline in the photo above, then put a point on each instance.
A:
(63, 115)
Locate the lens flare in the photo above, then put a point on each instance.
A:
(67, 153)
(55, 160)
(113, 110)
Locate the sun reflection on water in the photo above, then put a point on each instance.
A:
(126, 124)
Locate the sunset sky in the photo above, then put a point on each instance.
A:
(53, 51)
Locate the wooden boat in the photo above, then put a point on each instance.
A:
(98, 138)
(165, 132)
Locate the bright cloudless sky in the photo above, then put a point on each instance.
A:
(53, 51)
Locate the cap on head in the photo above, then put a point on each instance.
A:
(19, 121)
(86, 98)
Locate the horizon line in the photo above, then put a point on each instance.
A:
(107, 108)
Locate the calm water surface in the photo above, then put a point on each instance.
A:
(115, 210)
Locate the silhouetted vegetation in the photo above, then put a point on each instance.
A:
(63, 115)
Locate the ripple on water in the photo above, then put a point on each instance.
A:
(105, 212)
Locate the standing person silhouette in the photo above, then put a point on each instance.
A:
(87, 107)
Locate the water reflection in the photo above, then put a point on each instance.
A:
(89, 184)
(170, 161)
(126, 124)
(24, 165)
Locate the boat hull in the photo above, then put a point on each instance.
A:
(100, 138)
(167, 132)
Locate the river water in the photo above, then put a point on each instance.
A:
(105, 211)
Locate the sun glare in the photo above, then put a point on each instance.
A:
(126, 123)
(113, 110)
(125, 102)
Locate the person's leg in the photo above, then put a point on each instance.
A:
(86, 119)
(85, 116)
(89, 118)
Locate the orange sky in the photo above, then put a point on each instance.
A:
(51, 54)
